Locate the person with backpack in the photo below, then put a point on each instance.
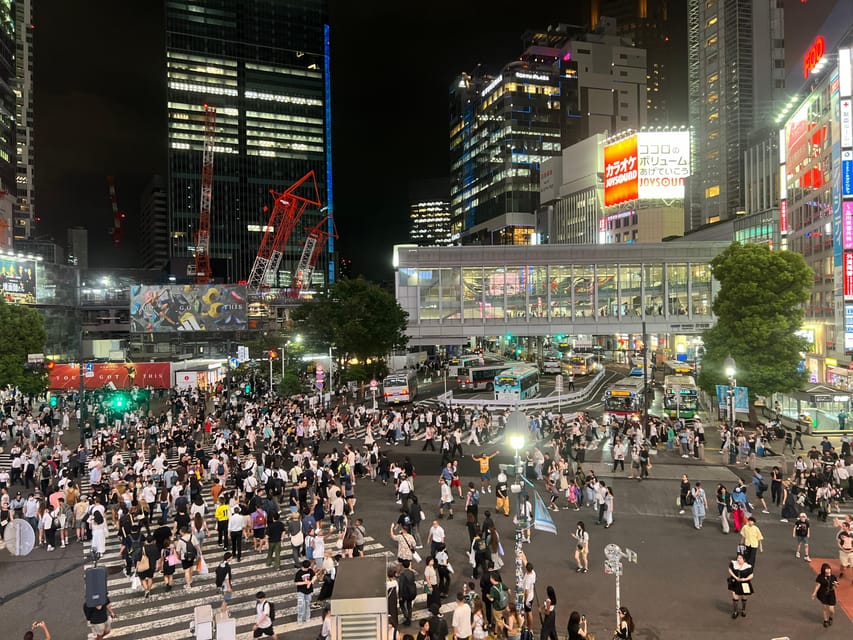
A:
(131, 549)
(189, 553)
(223, 580)
(51, 526)
(472, 500)
(264, 617)
(498, 596)
(259, 529)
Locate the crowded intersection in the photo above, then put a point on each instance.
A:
(248, 505)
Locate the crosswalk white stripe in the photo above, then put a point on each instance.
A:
(239, 610)
(258, 563)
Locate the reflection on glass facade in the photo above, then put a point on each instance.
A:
(261, 64)
(672, 287)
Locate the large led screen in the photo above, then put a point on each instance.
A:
(168, 308)
(18, 280)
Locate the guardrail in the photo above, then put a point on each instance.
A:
(547, 402)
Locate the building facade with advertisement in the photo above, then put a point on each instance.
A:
(815, 217)
(645, 173)
(566, 86)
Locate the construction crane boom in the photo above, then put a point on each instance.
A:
(202, 239)
(287, 211)
(310, 252)
(117, 232)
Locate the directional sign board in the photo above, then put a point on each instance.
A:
(558, 383)
(374, 384)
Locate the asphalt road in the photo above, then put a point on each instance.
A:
(676, 590)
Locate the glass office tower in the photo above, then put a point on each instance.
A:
(263, 65)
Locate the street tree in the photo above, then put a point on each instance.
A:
(759, 310)
(21, 333)
(357, 318)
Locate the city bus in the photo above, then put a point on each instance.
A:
(468, 359)
(400, 386)
(480, 378)
(581, 364)
(519, 382)
(677, 368)
(680, 396)
(623, 400)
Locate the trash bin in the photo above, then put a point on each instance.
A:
(226, 628)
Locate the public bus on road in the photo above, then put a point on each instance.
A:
(677, 368)
(519, 382)
(581, 364)
(400, 386)
(623, 400)
(680, 397)
(470, 360)
(480, 378)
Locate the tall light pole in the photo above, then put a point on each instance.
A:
(516, 424)
(730, 367)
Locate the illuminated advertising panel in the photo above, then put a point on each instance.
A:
(813, 55)
(18, 280)
(847, 225)
(848, 276)
(620, 171)
(664, 158)
(848, 327)
(847, 174)
(845, 72)
(168, 308)
(846, 123)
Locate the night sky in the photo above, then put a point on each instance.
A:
(100, 94)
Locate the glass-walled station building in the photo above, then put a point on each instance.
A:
(598, 296)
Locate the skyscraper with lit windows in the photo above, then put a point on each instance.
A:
(263, 65)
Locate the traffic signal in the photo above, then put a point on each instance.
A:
(247, 388)
(120, 402)
(49, 365)
(54, 400)
(273, 354)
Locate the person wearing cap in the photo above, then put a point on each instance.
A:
(802, 532)
(263, 621)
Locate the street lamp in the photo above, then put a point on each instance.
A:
(516, 424)
(730, 367)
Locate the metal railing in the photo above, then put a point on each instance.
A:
(530, 404)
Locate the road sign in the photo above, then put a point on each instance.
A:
(320, 385)
(233, 363)
(35, 358)
(90, 370)
(19, 537)
(242, 353)
(558, 383)
(631, 555)
(374, 384)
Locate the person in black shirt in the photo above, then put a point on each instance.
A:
(304, 580)
(437, 624)
(99, 618)
(223, 580)
(275, 529)
(407, 591)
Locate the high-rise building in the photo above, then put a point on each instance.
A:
(24, 120)
(658, 27)
(430, 223)
(154, 225)
(78, 247)
(736, 79)
(263, 65)
(8, 153)
(566, 86)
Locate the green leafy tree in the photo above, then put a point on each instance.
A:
(758, 309)
(21, 333)
(359, 318)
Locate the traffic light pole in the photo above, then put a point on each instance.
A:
(84, 412)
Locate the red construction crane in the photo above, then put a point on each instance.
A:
(117, 233)
(288, 208)
(202, 238)
(310, 252)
